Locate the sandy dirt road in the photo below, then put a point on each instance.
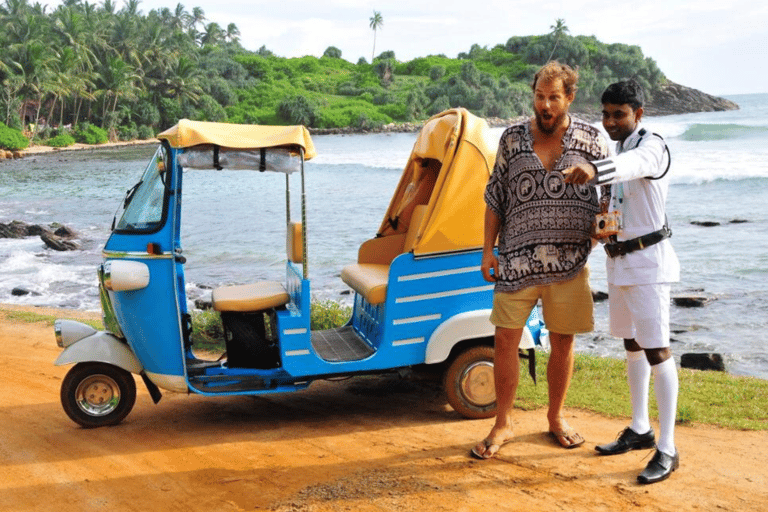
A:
(365, 444)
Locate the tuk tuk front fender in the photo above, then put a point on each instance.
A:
(101, 347)
(465, 326)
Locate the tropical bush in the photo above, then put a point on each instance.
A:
(12, 139)
(146, 132)
(87, 133)
(297, 110)
(62, 140)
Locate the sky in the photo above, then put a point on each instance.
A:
(717, 46)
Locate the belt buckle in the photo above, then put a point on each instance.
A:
(617, 249)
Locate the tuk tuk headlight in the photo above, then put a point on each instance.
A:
(123, 276)
(69, 332)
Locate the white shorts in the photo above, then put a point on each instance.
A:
(640, 312)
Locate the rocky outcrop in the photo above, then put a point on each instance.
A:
(56, 237)
(677, 99)
(58, 243)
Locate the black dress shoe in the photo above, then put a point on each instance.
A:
(660, 467)
(628, 440)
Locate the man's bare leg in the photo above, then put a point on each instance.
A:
(559, 373)
(506, 374)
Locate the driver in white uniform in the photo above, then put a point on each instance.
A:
(640, 266)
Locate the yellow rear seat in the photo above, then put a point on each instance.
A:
(370, 275)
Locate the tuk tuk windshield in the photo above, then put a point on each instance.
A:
(142, 208)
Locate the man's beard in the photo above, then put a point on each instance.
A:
(548, 130)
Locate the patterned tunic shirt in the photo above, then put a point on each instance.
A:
(545, 223)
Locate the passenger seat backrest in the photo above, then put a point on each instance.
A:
(417, 217)
(295, 243)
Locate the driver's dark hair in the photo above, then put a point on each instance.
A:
(626, 92)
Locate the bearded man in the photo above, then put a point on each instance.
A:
(534, 213)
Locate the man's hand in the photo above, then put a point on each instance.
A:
(490, 262)
(580, 174)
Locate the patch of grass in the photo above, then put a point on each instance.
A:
(600, 385)
(328, 314)
(207, 331)
(32, 318)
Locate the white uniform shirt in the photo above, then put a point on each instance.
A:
(641, 202)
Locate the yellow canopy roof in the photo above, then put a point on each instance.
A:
(448, 169)
(238, 136)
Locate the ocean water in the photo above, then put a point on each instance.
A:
(233, 224)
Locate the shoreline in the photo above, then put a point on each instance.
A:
(38, 149)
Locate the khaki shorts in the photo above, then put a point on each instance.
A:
(567, 306)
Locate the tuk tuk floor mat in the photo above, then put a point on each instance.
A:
(342, 344)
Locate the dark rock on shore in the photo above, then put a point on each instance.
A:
(58, 243)
(598, 296)
(18, 229)
(20, 292)
(59, 240)
(691, 302)
(694, 361)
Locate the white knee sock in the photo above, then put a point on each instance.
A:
(666, 386)
(639, 378)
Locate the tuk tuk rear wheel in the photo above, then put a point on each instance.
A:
(97, 394)
(469, 383)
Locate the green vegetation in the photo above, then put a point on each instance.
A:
(207, 331)
(32, 317)
(90, 134)
(328, 314)
(133, 74)
(599, 384)
(12, 139)
(62, 140)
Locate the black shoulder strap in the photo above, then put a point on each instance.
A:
(666, 148)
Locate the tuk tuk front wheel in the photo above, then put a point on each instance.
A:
(97, 394)
(469, 383)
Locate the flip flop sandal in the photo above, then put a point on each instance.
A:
(564, 437)
(492, 448)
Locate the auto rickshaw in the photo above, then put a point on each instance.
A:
(420, 298)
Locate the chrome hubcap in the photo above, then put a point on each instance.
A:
(477, 384)
(98, 395)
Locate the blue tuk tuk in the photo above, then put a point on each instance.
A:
(419, 294)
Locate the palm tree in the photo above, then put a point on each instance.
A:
(558, 29)
(233, 33)
(180, 18)
(118, 80)
(213, 34)
(197, 17)
(376, 21)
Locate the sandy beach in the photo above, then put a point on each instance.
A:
(363, 444)
(37, 149)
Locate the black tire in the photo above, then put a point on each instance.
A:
(97, 394)
(469, 384)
